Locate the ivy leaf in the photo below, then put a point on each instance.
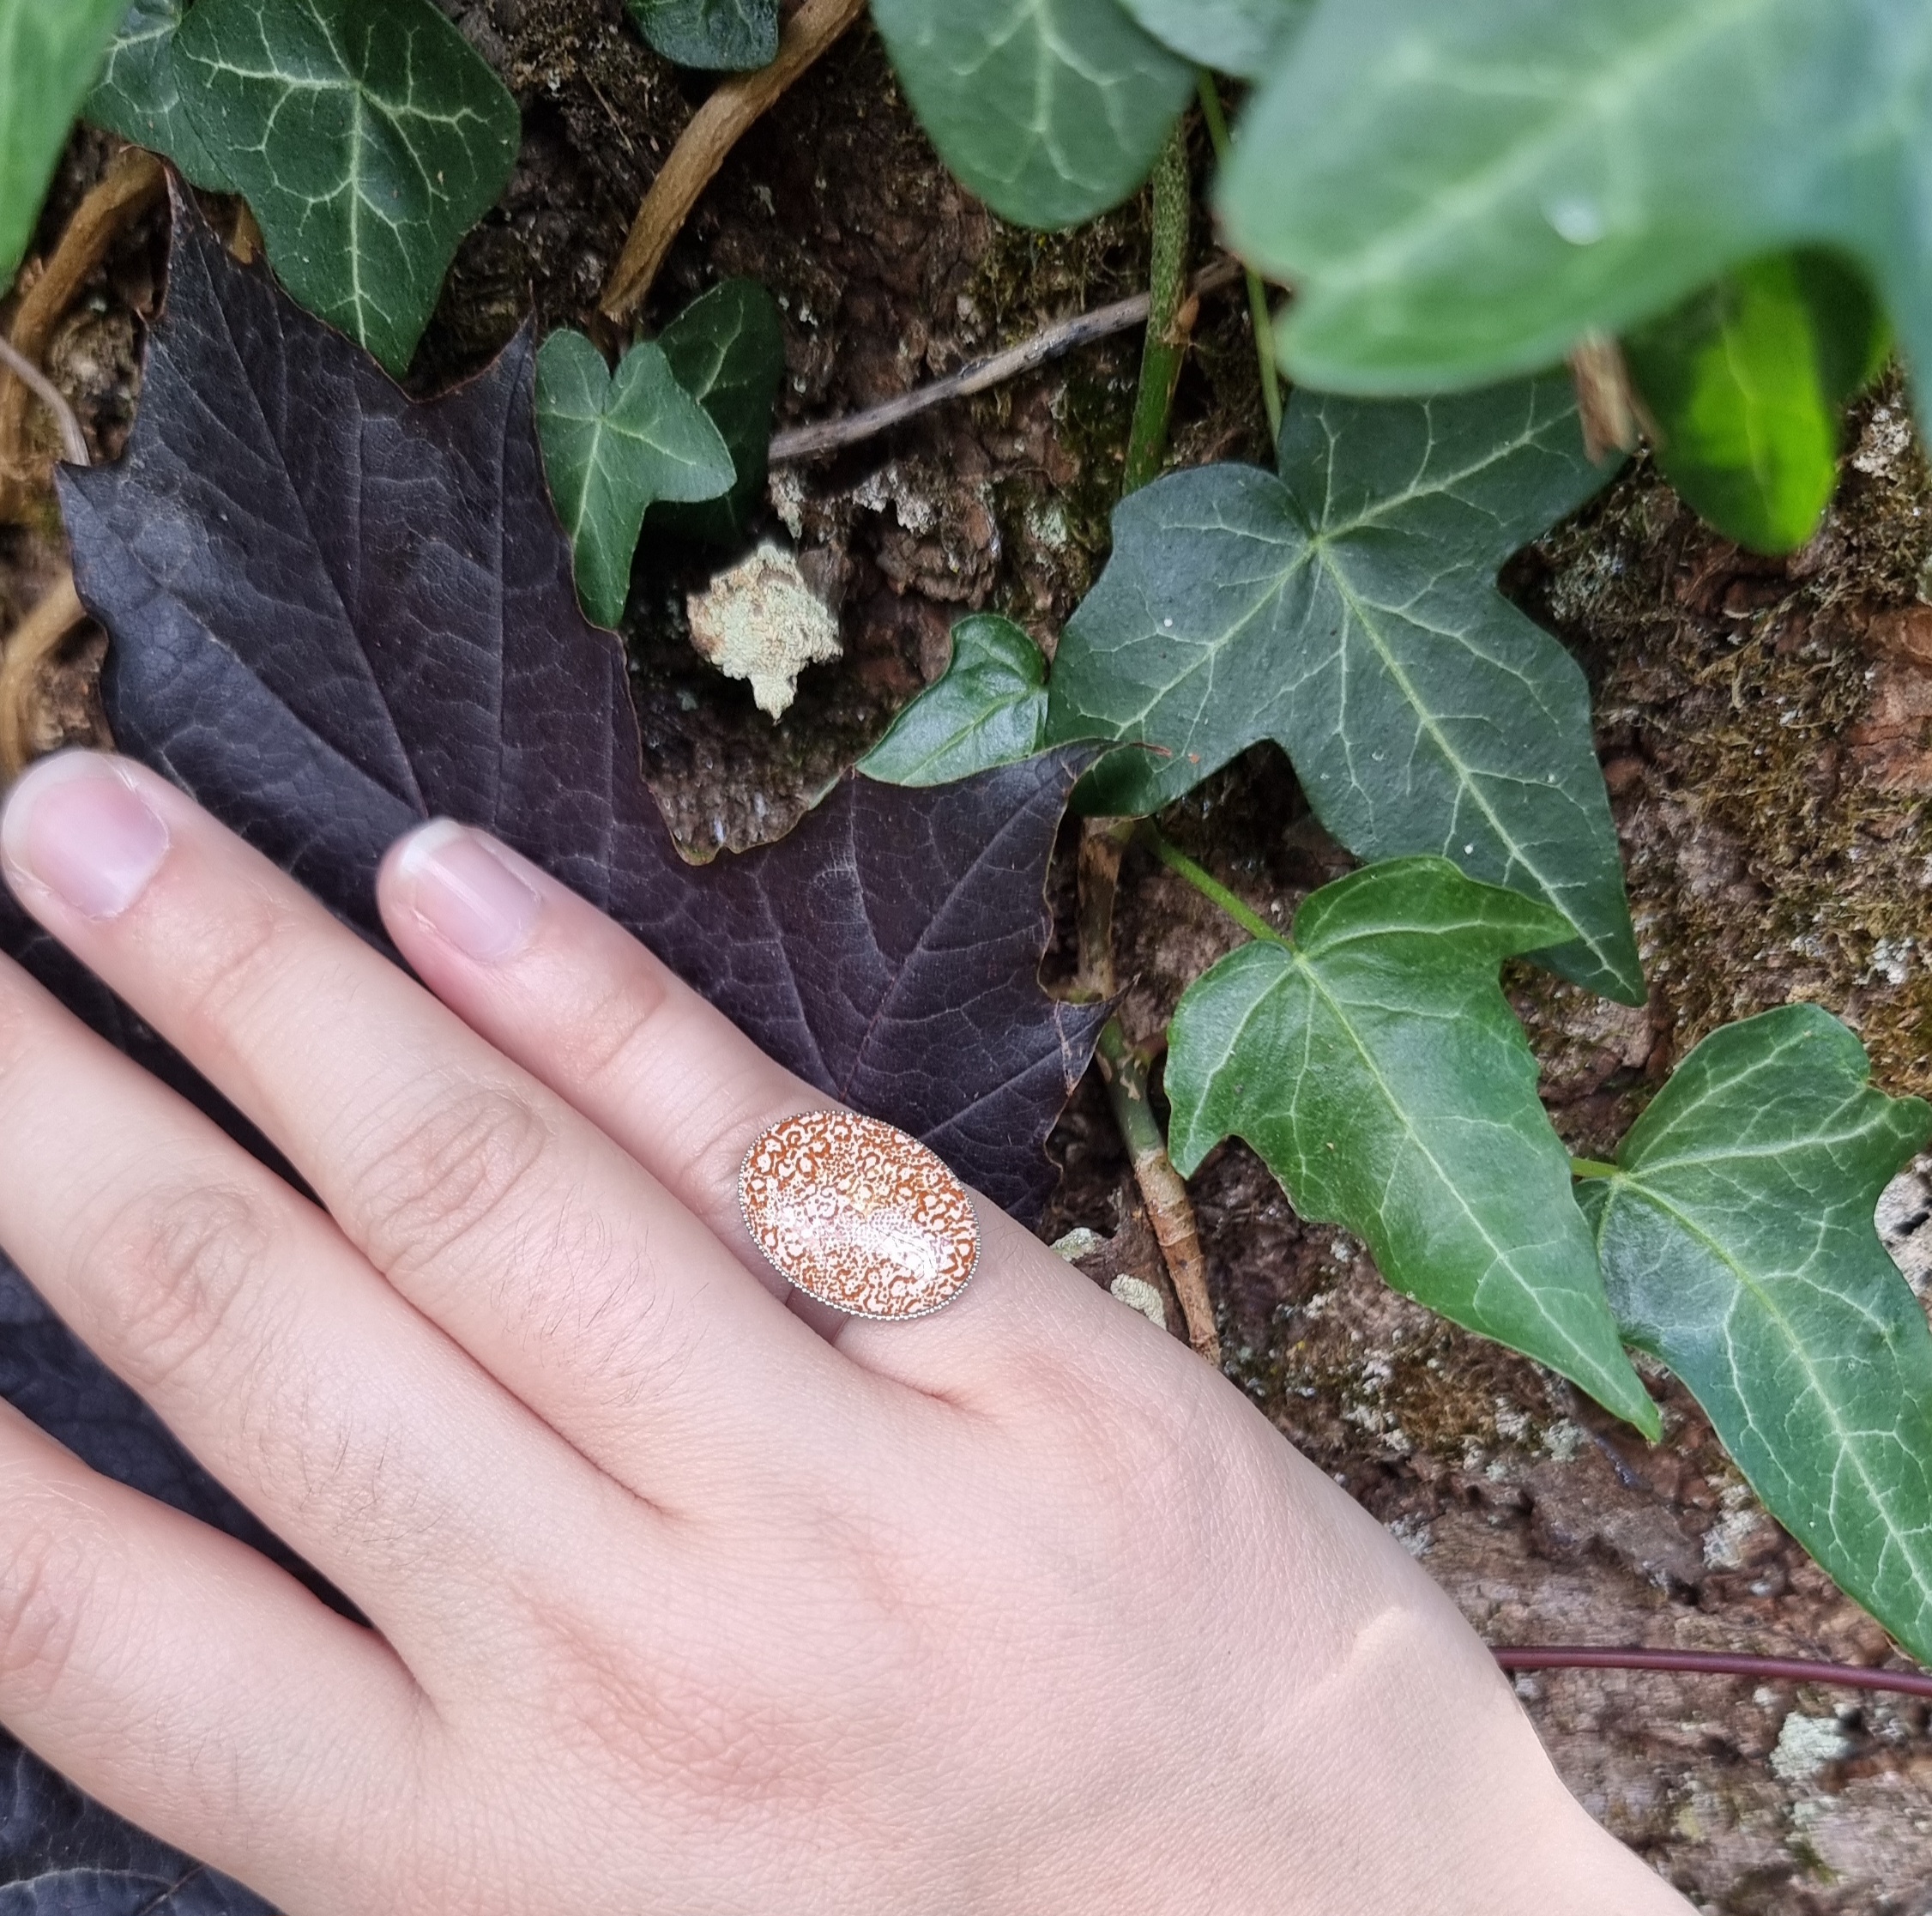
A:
(736, 36)
(1462, 192)
(1240, 37)
(139, 94)
(1051, 111)
(989, 708)
(1738, 1246)
(728, 350)
(335, 611)
(612, 447)
(1348, 611)
(49, 56)
(368, 137)
(1376, 1065)
(1747, 383)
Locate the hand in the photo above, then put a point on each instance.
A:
(686, 1598)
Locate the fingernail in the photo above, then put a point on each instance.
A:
(76, 825)
(466, 894)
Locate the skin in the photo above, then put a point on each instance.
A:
(687, 1596)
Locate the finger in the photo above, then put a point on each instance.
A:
(353, 1427)
(583, 1005)
(503, 1215)
(189, 1684)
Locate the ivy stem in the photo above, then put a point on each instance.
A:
(1208, 885)
(1256, 290)
(1163, 1189)
(1169, 320)
(1590, 1167)
(1126, 1072)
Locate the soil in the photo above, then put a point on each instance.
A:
(1767, 733)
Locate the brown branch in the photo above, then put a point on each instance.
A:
(133, 184)
(806, 442)
(732, 111)
(30, 646)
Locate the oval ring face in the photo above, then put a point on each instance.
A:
(859, 1215)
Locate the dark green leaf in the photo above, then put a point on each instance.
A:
(1738, 1246)
(1463, 192)
(1746, 385)
(728, 350)
(139, 96)
(989, 710)
(610, 448)
(1349, 610)
(368, 137)
(1376, 1067)
(1051, 111)
(734, 35)
(50, 53)
(1232, 36)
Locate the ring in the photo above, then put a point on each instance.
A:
(859, 1215)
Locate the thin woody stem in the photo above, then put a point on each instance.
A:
(1794, 1669)
(734, 108)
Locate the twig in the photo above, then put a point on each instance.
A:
(806, 442)
(29, 646)
(1795, 1670)
(1168, 322)
(73, 441)
(734, 108)
(133, 184)
(1256, 289)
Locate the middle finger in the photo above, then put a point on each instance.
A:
(499, 1212)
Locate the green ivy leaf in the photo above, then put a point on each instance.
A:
(1376, 1067)
(1748, 382)
(989, 708)
(1460, 192)
(727, 350)
(1240, 37)
(1738, 1246)
(1051, 111)
(1349, 610)
(610, 448)
(139, 96)
(50, 53)
(735, 36)
(368, 137)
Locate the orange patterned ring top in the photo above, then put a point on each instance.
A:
(859, 1215)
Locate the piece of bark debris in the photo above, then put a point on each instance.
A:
(761, 622)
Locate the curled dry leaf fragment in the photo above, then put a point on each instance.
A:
(761, 622)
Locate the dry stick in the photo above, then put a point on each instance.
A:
(30, 645)
(806, 442)
(1796, 1669)
(133, 184)
(716, 127)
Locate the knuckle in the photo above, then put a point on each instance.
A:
(237, 954)
(46, 1583)
(449, 1170)
(173, 1274)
